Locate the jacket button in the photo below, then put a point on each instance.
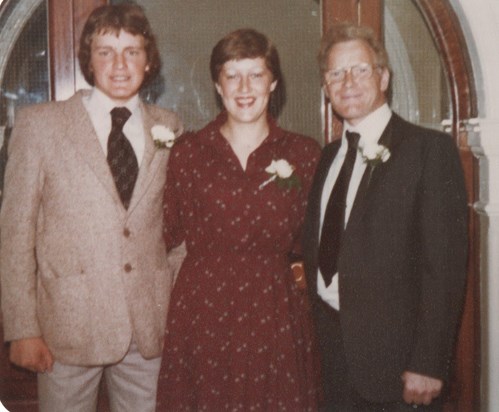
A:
(128, 268)
(126, 232)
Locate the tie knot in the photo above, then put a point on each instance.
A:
(119, 116)
(353, 139)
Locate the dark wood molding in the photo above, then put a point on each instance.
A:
(361, 12)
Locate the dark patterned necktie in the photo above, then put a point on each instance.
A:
(334, 218)
(121, 157)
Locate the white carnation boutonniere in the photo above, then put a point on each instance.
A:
(283, 173)
(163, 137)
(374, 153)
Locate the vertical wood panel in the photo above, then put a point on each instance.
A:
(336, 11)
(66, 20)
(361, 12)
(61, 46)
(370, 13)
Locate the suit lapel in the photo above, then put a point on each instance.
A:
(82, 135)
(370, 179)
(151, 160)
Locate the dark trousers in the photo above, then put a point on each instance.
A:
(338, 391)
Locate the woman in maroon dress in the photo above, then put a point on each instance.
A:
(238, 335)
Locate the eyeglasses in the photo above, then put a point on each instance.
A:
(358, 71)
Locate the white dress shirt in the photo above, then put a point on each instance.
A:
(370, 130)
(99, 108)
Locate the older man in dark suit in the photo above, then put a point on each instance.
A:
(385, 241)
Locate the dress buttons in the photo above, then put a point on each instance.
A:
(126, 232)
(128, 267)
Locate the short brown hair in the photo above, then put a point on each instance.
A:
(244, 44)
(250, 44)
(343, 32)
(113, 19)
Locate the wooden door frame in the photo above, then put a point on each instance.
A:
(464, 394)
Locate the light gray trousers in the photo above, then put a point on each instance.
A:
(131, 385)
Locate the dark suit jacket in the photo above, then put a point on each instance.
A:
(402, 263)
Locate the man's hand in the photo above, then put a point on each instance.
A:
(32, 354)
(420, 389)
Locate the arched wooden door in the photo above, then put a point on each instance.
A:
(448, 38)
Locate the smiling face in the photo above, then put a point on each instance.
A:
(245, 86)
(118, 64)
(354, 99)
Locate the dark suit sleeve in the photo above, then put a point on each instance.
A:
(442, 233)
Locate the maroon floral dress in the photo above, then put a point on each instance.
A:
(238, 334)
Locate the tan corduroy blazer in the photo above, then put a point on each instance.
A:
(76, 267)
